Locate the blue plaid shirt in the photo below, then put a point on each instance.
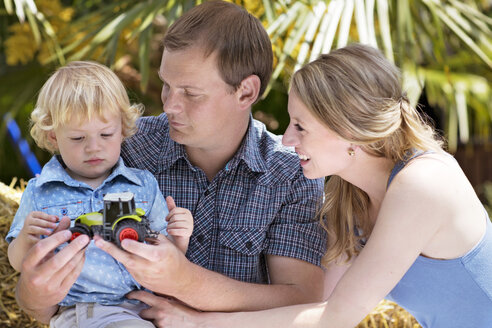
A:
(259, 203)
(103, 279)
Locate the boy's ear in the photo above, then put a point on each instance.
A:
(52, 138)
(248, 91)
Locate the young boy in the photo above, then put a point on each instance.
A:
(83, 114)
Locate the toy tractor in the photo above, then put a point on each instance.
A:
(118, 220)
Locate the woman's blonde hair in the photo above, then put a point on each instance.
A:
(78, 92)
(356, 92)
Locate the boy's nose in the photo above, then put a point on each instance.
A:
(93, 144)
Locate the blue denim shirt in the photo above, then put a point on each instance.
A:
(103, 279)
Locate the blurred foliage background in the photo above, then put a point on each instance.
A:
(443, 47)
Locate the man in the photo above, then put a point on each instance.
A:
(256, 243)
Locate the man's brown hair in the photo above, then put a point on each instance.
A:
(238, 38)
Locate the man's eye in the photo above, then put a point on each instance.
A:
(298, 127)
(191, 95)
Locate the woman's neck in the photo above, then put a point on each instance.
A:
(370, 174)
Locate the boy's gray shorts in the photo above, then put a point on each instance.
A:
(93, 315)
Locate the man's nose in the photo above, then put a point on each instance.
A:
(172, 103)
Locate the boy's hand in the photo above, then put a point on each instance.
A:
(37, 224)
(179, 219)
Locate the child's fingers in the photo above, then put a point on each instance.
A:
(41, 223)
(177, 227)
(35, 230)
(170, 203)
(179, 232)
(43, 216)
(182, 221)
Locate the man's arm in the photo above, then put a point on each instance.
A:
(46, 277)
(296, 244)
(163, 269)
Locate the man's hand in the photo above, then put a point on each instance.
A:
(160, 267)
(166, 313)
(46, 277)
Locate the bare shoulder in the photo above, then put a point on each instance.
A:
(436, 184)
(430, 173)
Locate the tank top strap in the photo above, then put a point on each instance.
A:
(401, 164)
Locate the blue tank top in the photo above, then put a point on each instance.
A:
(449, 293)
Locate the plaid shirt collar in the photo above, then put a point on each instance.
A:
(248, 152)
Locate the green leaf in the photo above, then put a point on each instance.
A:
(345, 22)
(143, 56)
(385, 28)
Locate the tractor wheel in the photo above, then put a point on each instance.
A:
(80, 229)
(129, 229)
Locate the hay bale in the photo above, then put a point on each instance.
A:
(10, 314)
(389, 315)
(385, 315)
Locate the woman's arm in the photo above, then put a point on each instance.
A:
(418, 204)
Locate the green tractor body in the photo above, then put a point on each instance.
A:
(118, 220)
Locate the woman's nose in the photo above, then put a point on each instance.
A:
(289, 138)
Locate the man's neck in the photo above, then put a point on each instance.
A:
(212, 160)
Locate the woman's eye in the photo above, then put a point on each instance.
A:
(106, 135)
(298, 127)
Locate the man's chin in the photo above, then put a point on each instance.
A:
(178, 137)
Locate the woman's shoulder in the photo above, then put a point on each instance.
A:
(428, 168)
(433, 179)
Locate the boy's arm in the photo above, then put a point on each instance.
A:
(35, 225)
(16, 252)
(27, 226)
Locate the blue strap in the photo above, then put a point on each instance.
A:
(401, 164)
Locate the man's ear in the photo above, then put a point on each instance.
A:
(52, 138)
(248, 91)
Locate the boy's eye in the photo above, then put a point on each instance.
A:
(298, 127)
(76, 138)
(106, 135)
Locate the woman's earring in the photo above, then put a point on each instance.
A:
(351, 151)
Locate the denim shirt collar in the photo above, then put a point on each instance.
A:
(54, 171)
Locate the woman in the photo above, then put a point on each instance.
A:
(403, 220)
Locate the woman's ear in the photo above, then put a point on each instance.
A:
(248, 91)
